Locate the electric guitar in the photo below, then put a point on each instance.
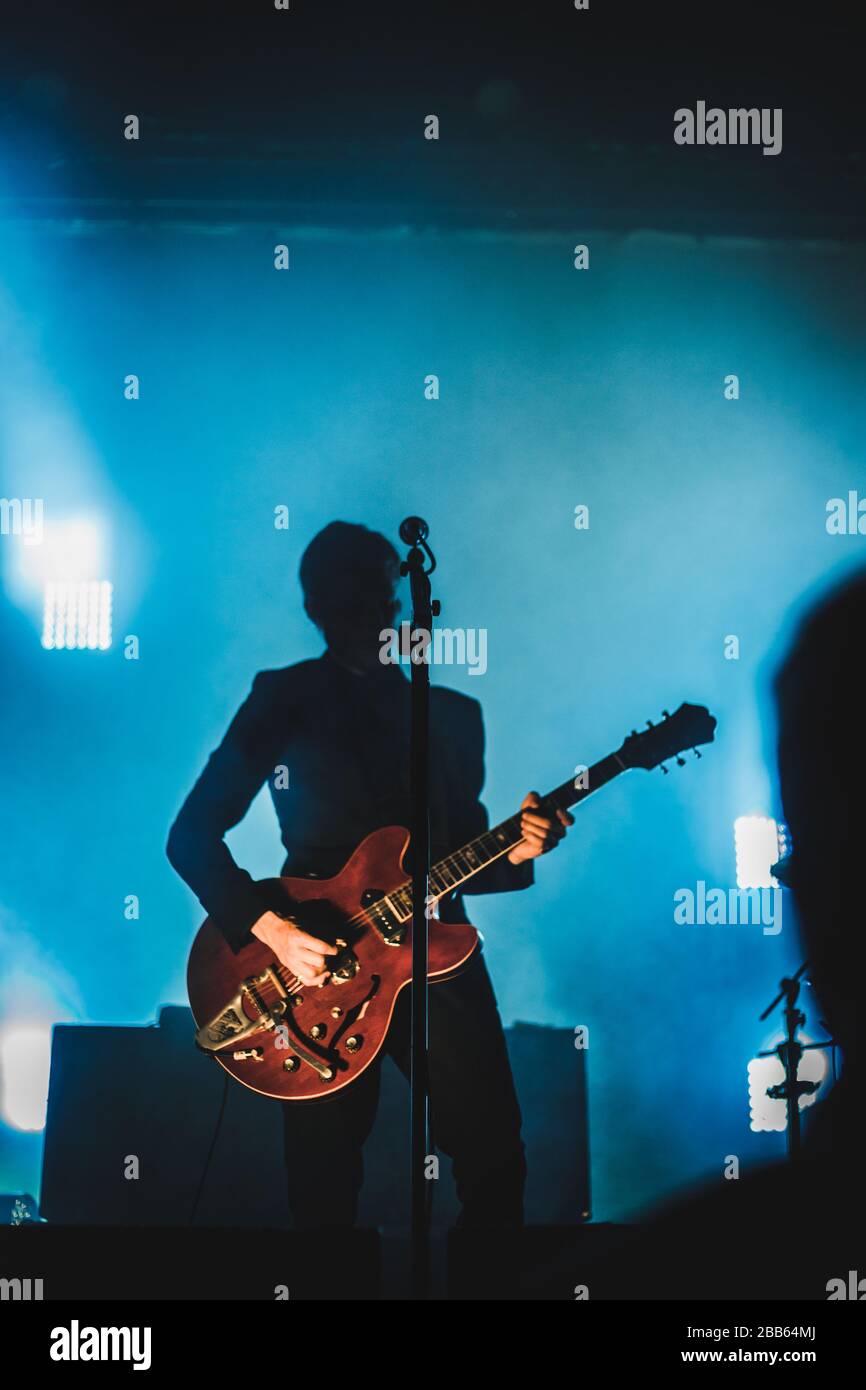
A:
(294, 1042)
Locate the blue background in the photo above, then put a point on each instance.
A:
(558, 388)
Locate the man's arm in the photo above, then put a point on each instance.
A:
(541, 833)
(234, 774)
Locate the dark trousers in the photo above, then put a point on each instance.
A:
(475, 1117)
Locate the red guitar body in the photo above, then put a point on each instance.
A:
(297, 1043)
(284, 1040)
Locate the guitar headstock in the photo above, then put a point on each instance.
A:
(690, 727)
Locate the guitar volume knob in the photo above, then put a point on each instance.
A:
(353, 1043)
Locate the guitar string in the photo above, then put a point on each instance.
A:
(452, 861)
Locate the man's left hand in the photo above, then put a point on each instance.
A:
(540, 832)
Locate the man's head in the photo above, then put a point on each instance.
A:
(821, 698)
(349, 577)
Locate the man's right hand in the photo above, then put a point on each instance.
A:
(306, 956)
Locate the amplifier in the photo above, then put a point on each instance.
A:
(132, 1113)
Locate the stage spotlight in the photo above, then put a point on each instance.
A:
(71, 549)
(77, 616)
(759, 843)
(65, 571)
(25, 1061)
(766, 1113)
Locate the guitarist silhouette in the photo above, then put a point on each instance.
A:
(340, 726)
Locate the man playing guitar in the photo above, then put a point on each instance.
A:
(339, 726)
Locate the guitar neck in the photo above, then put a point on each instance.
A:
(452, 871)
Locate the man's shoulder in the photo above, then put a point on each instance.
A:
(454, 705)
(454, 698)
(282, 681)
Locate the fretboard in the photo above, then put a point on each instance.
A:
(449, 873)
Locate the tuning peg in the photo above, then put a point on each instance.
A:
(664, 769)
(666, 713)
(681, 762)
(634, 733)
(650, 724)
(696, 753)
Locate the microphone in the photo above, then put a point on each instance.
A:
(414, 530)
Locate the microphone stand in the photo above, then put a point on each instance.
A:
(414, 531)
(789, 1052)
